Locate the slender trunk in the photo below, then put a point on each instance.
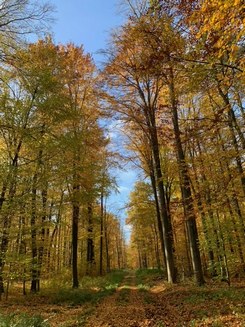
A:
(224, 264)
(101, 232)
(75, 219)
(11, 179)
(118, 252)
(232, 218)
(158, 214)
(7, 220)
(186, 189)
(108, 263)
(197, 194)
(232, 123)
(90, 242)
(42, 234)
(34, 250)
(209, 199)
(166, 222)
(139, 256)
(7, 217)
(51, 237)
(156, 246)
(149, 109)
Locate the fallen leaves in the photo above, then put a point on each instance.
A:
(132, 306)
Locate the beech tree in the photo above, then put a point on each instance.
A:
(136, 94)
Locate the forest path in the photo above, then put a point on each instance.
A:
(125, 308)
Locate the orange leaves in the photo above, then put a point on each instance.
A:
(221, 26)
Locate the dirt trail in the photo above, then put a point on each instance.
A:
(125, 308)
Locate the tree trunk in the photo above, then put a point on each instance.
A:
(108, 262)
(43, 231)
(75, 219)
(159, 221)
(186, 189)
(101, 232)
(166, 222)
(34, 268)
(197, 194)
(232, 123)
(90, 242)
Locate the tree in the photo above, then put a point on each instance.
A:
(135, 96)
(82, 137)
(18, 18)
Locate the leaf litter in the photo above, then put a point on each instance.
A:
(130, 306)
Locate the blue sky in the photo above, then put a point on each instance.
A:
(88, 23)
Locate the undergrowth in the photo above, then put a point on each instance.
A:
(91, 289)
(203, 295)
(22, 320)
(146, 278)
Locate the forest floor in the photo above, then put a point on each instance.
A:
(141, 300)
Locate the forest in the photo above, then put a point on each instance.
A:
(173, 79)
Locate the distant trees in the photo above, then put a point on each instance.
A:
(145, 234)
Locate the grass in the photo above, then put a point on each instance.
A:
(212, 307)
(202, 295)
(59, 293)
(145, 278)
(143, 287)
(91, 290)
(196, 323)
(79, 296)
(22, 320)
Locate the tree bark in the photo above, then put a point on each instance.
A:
(185, 188)
(101, 232)
(34, 268)
(90, 242)
(75, 219)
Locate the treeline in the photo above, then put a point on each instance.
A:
(55, 159)
(176, 69)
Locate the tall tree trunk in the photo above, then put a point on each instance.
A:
(11, 184)
(166, 222)
(101, 232)
(186, 188)
(90, 242)
(41, 248)
(75, 220)
(158, 214)
(149, 109)
(232, 123)
(34, 249)
(156, 245)
(108, 261)
(198, 194)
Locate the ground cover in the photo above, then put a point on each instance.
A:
(129, 299)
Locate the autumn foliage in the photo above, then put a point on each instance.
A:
(174, 79)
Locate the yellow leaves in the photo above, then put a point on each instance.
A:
(220, 25)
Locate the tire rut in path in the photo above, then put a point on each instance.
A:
(125, 308)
